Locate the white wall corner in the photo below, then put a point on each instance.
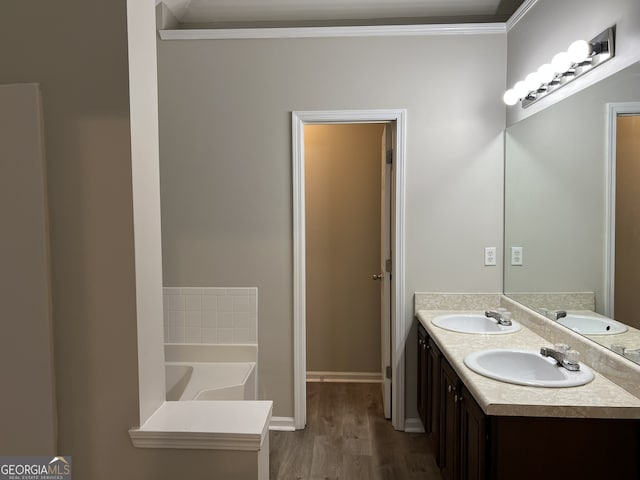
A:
(145, 173)
(401, 324)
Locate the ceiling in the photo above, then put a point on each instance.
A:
(244, 13)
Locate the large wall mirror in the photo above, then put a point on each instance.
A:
(572, 215)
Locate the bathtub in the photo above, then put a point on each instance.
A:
(210, 380)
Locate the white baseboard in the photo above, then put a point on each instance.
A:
(350, 377)
(413, 425)
(282, 424)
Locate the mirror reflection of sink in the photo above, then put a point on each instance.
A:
(525, 367)
(473, 323)
(592, 325)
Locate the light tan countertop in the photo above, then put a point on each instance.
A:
(600, 398)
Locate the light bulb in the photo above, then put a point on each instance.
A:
(561, 62)
(579, 51)
(546, 73)
(520, 89)
(510, 97)
(532, 81)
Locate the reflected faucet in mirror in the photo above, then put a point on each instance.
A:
(632, 354)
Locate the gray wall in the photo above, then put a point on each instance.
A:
(342, 201)
(225, 140)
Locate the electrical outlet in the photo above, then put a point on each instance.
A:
(516, 255)
(490, 255)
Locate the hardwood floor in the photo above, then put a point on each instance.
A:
(348, 438)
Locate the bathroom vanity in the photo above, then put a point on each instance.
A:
(488, 429)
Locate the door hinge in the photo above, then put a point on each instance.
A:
(389, 156)
(387, 266)
(388, 372)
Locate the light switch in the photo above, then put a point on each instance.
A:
(516, 255)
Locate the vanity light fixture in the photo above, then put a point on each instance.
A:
(580, 58)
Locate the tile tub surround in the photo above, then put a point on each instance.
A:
(185, 352)
(600, 398)
(211, 315)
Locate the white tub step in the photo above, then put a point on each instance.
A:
(216, 425)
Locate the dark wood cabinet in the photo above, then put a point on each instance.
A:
(423, 390)
(528, 448)
(471, 445)
(433, 393)
(473, 439)
(449, 448)
(428, 381)
(463, 431)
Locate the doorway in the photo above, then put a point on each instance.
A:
(627, 231)
(623, 262)
(343, 182)
(396, 121)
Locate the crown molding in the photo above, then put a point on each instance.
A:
(334, 32)
(520, 13)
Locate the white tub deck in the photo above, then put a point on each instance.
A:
(211, 381)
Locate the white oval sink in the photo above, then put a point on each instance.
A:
(473, 323)
(592, 325)
(525, 367)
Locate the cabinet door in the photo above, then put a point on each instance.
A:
(449, 422)
(423, 386)
(433, 393)
(473, 439)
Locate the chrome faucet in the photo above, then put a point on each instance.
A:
(566, 358)
(498, 317)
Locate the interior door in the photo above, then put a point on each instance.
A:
(385, 263)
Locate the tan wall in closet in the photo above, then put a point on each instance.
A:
(342, 167)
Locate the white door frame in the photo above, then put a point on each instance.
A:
(613, 110)
(398, 321)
